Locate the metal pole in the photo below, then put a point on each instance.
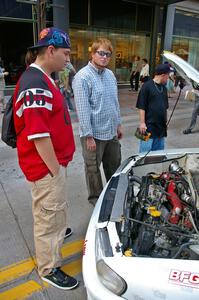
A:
(38, 17)
(34, 16)
(43, 13)
(61, 14)
(168, 30)
(154, 39)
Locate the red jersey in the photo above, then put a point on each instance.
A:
(40, 111)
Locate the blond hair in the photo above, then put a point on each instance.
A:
(101, 42)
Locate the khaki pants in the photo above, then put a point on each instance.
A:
(109, 154)
(50, 219)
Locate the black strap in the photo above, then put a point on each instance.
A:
(174, 108)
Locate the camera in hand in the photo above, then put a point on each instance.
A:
(142, 136)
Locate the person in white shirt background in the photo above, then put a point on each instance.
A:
(144, 73)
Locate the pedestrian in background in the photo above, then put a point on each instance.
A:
(195, 112)
(45, 146)
(152, 103)
(144, 73)
(170, 86)
(135, 73)
(3, 73)
(70, 77)
(170, 81)
(65, 84)
(96, 98)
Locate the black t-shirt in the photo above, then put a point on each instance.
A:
(153, 99)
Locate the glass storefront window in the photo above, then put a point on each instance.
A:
(186, 24)
(126, 24)
(185, 39)
(15, 9)
(126, 46)
(12, 52)
(75, 7)
(118, 14)
(188, 49)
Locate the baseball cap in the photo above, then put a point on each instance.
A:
(162, 69)
(52, 36)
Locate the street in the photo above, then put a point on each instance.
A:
(18, 277)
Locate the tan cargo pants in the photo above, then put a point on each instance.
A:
(49, 209)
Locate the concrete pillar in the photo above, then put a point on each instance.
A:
(167, 44)
(154, 38)
(61, 14)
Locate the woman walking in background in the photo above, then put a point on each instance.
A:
(135, 74)
(144, 74)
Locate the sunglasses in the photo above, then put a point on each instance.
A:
(104, 53)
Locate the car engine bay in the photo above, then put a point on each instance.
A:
(161, 210)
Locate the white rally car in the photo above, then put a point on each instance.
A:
(142, 241)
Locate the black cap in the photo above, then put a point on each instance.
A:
(162, 69)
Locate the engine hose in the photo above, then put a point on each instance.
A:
(175, 203)
(136, 179)
(192, 222)
(176, 227)
(195, 210)
(182, 247)
(159, 227)
(195, 205)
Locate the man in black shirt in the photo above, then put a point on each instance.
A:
(152, 103)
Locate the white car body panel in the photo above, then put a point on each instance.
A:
(150, 278)
(95, 289)
(184, 68)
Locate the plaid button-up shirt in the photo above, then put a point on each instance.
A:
(96, 99)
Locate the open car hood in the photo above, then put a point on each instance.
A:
(189, 73)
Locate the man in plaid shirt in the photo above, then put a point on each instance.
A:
(96, 98)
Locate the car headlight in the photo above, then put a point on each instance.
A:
(110, 279)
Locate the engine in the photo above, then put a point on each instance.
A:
(161, 219)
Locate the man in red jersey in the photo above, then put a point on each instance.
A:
(45, 146)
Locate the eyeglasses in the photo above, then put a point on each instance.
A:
(104, 53)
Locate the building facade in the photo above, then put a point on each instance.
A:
(185, 41)
(130, 25)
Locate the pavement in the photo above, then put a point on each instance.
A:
(18, 276)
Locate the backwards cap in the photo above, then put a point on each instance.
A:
(52, 36)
